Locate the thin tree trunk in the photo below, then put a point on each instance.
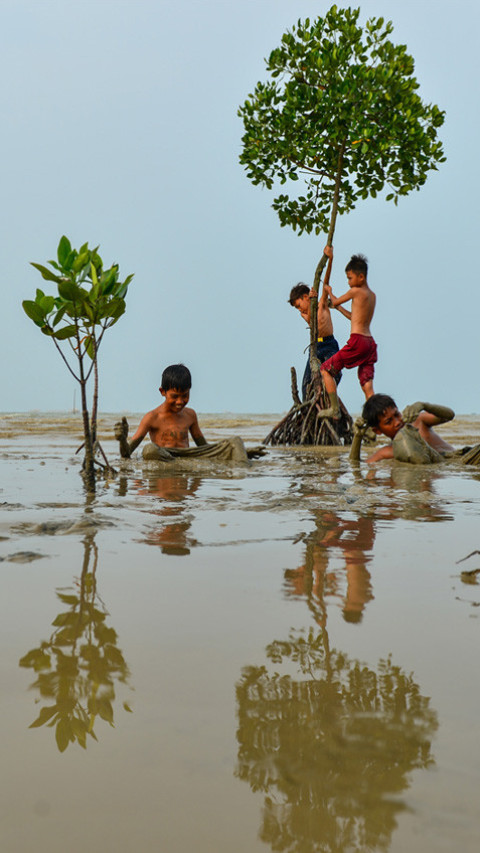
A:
(88, 462)
(314, 362)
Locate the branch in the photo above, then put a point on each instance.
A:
(64, 357)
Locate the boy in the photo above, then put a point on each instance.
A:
(169, 424)
(360, 350)
(327, 345)
(381, 413)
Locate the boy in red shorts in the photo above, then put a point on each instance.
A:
(360, 350)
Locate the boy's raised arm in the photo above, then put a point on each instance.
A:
(121, 434)
(430, 413)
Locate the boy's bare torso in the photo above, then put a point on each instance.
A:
(324, 320)
(363, 306)
(170, 429)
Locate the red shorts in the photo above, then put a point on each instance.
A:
(359, 351)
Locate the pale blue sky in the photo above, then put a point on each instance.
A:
(120, 128)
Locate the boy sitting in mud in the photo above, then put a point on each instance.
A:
(300, 298)
(380, 412)
(360, 350)
(169, 424)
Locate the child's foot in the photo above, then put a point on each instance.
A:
(331, 412)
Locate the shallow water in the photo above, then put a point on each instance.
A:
(278, 656)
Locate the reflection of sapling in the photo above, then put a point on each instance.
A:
(331, 748)
(78, 666)
(340, 112)
(89, 301)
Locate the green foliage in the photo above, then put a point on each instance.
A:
(89, 299)
(340, 100)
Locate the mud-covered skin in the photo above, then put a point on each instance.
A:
(121, 434)
(443, 413)
(409, 446)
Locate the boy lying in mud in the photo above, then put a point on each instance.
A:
(170, 424)
(381, 414)
(413, 437)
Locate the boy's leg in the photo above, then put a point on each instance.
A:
(333, 410)
(367, 389)
(366, 370)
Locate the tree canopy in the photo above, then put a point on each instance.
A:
(341, 109)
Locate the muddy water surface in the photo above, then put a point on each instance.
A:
(281, 656)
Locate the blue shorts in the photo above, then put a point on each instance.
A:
(326, 347)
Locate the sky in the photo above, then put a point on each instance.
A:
(120, 128)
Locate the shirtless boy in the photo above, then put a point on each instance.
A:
(381, 413)
(169, 424)
(360, 350)
(327, 345)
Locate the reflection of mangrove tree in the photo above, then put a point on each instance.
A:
(330, 748)
(78, 666)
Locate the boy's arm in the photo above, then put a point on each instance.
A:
(121, 434)
(429, 414)
(381, 453)
(323, 297)
(339, 300)
(346, 313)
(196, 432)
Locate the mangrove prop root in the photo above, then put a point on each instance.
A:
(303, 426)
(296, 398)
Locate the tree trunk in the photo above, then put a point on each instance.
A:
(302, 424)
(88, 468)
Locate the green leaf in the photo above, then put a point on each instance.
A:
(63, 251)
(34, 311)
(90, 347)
(59, 315)
(80, 261)
(93, 273)
(47, 274)
(61, 335)
(47, 303)
(70, 291)
(69, 260)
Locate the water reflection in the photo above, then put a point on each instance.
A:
(407, 492)
(330, 743)
(78, 667)
(314, 581)
(172, 533)
(413, 494)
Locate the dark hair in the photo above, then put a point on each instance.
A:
(298, 291)
(358, 264)
(176, 376)
(375, 407)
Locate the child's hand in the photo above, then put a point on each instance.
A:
(411, 413)
(121, 429)
(327, 289)
(313, 294)
(328, 251)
